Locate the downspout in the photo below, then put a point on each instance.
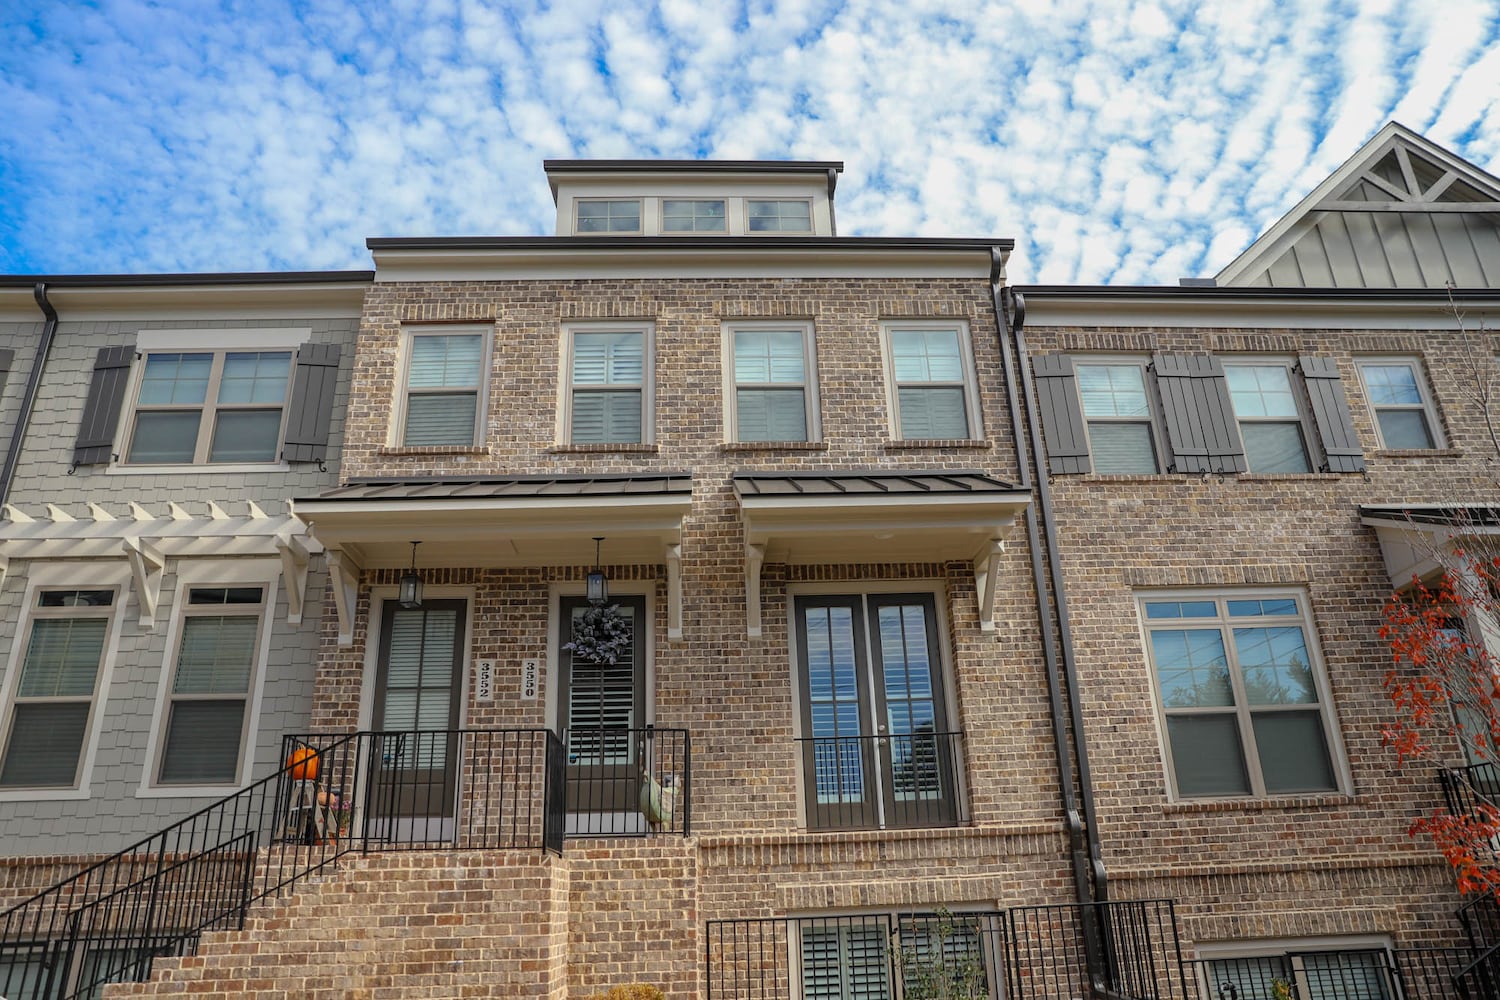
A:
(33, 381)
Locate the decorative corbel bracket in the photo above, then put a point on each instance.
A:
(674, 592)
(294, 572)
(755, 555)
(986, 581)
(343, 579)
(147, 567)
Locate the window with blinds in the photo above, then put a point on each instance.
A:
(419, 681)
(208, 701)
(773, 388)
(444, 388)
(932, 389)
(846, 960)
(608, 386)
(48, 723)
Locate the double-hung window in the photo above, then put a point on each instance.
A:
(774, 386)
(195, 407)
(206, 716)
(933, 392)
(1400, 403)
(1241, 695)
(1269, 415)
(55, 694)
(778, 216)
(608, 392)
(1118, 413)
(443, 402)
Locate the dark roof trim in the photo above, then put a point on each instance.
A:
(564, 487)
(161, 280)
(1477, 516)
(738, 243)
(693, 166)
(868, 482)
(1231, 293)
(581, 477)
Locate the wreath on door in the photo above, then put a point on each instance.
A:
(600, 635)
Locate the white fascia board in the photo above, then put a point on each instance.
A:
(322, 300)
(841, 505)
(1260, 313)
(553, 506)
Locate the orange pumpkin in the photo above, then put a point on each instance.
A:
(304, 764)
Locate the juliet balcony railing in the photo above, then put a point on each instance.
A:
(883, 782)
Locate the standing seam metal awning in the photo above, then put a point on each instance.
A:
(1415, 538)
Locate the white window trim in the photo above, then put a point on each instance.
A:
(812, 405)
(1311, 439)
(661, 220)
(973, 411)
(1424, 388)
(812, 219)
(1155, 419)
(1327, 710)
(111, 575)
(622, 588)
(264, 573)
(396, 433)
(640, 216)
(648, 379)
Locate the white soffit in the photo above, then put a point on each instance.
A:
(1417, 540)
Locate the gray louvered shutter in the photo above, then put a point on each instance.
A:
(1325, 390)
(1062, 419)
(101, 410)
(311, 407)
(1201, 428)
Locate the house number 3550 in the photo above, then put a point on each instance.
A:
(530, 679)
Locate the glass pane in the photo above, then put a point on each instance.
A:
(1275, 666)
(1404, 429)
(1275, 447)
(255, 377)
(1206, 755)
(1250, 978)
(62, 658)
(606, 417)
(165, 436)
(833, 709)
(609, 216)
(769, 356)
(1122, 449)
(440, 418)
(770, 415)
(697, 216)
(1180, 609)
(1293, 752)
(175, 379)
(608, 358)
(1348, 975)
(1258, 607)
(780, 216)
(217, 655)
(926, 356)
(933, 413)
(1392, 385)
(1112, 391)
(1260, 391)
(1191, 668)
(203, 742)
(246, 436)
(450, 361)
(46, 741)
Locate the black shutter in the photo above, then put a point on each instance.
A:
(1062, 419)
(1325, 390)
(1201, 428)
(101, 410)
(311, 407)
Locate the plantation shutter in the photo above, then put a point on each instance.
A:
(311, 407)
(101, 408)
(1201, 428)
(771, 414)
(608, 369)
(932, 413)
(442, 381)
(1062, 419)
(602, 700)
(606, 417)
(1325, 391)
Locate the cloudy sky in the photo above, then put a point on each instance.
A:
(1118, 142)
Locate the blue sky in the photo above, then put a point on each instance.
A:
(1119, 142)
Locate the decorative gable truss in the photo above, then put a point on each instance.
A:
(147, 540)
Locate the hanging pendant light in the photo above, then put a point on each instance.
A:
(598, 585)
(410, 594)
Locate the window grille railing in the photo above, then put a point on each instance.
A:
(908, 780)
(628, 782)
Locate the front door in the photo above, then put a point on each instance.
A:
(876, 748)
(419, 684)
(603, 711)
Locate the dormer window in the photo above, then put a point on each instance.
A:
(701, 215)
(765, 216)
(609, 216)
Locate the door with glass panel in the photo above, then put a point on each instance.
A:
(419, 684)
(603, 710)
(876, 750)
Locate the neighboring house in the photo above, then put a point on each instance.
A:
(161, 607)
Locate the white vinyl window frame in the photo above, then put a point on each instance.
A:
(1151, 420)
(212, 574)
(1242, 710)
(1302, 416)
(112, 576)
(967, 381)
(401, 403)
(812, 417)
(779, 216)
(610, 210)
(646, 387)
(1423, 405)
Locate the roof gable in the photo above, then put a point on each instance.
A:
(1402, 212)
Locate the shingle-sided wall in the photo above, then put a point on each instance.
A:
(115, 814)
(21, 338)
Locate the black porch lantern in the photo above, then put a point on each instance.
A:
(597, 585)
(410, 592)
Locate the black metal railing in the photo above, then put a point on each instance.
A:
(628, 782)
(1029, 953)
(1350, 974)
(883, 782)
(360, 791)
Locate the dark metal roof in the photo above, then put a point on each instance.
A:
(638, 243)
(511, 487)
(197, 278)
(1476, 516)
(874, 482)
(1233, 292)
(693, 166)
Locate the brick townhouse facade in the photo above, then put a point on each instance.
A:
(953, 623)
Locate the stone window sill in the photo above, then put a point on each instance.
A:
(1420, 453)
(774, 446)
(1259, 805)
(398, 451)
(605, 448)
(913, 443)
